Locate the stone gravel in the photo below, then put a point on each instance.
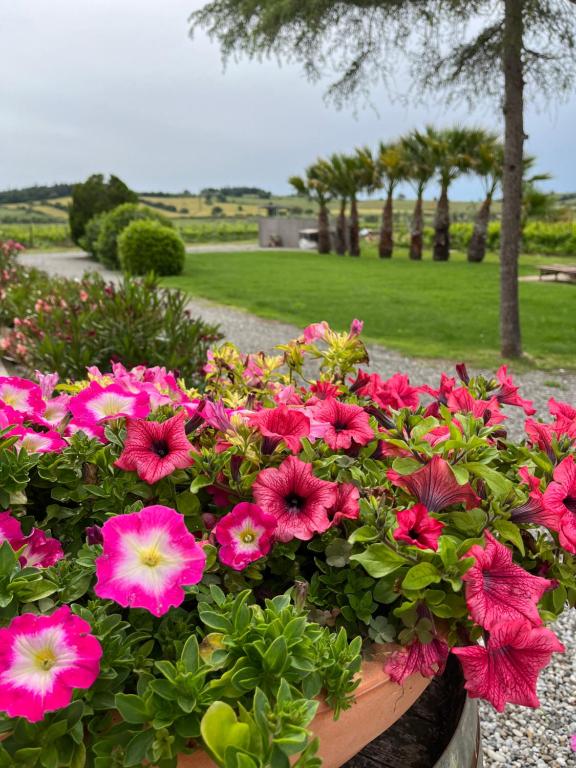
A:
(519, 738)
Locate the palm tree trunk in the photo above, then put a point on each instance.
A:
(477, 244)
(510, 336)
(442, 227)
(417, 233)
(354, 228)
(323, 229)
(341, 229)
(386, 244)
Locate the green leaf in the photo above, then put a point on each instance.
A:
(423, 427)
(379, 560)
(276, 656)
(362, 534)
(510, 532)
(420, 576)
(405, 466)
(497, 482)
(190, 657)
(200, 482)
(187, 503)
(132, 708)
(471, 523)
(137, 748)
(338, 553)
(220, 729)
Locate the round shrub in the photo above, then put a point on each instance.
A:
(89, 239)
(148, 246)
(114, 222)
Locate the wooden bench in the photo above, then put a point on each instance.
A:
(565, 270)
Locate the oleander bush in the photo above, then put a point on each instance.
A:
(148, 246)
(113, 223)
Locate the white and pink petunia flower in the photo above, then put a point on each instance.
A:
(42, 660)
(10, 528)
(55, 413)
(99, 403)
(38, 442)
(245, 534)
(21, 395)
(147, 559)
(37, 550)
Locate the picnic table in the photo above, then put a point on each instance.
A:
(559, 270)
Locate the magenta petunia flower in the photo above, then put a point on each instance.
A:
(245, 534)
(282, 424)
(37, 549)
(21, 395)
(347, 503)
(345, 424)
(427, 659)
(38, 442)
(42, 660)
(507, 392)
(533, 509)
(315, 331)
(461, 401)
(435, 486)
(560, 501)
(100, 403)
(395, 392)
(507, 669)
(155, 450)
(416, 527)
(10, 528)
(147, 559)
(498, 590)
(298, 500)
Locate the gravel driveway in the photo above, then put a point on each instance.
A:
(521, 738)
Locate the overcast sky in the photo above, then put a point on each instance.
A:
(117, 86)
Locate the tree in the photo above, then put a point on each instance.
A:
(487, 163)
(96, 196)
(470, 46)
(313, 187)
(390, 170)
(420, 169)
(335, 174)
(360, 177)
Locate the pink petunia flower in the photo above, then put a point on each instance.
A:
(427, 659)
(245, 534)
(298, 500)
(416, 527)
(347, 503)
(533, 509)
(560, 501)
(21, 395)
(9, 417)
(147, 559)
(507, 669)
(42, 660)
(315, 331)
(47, 382)
(356, 327)
(435, 486)
(507, 392)
(38, 442)
(345, 424)
(100, 403)
(498, 590)
(55, 412)
(37, 550)
(282, 424)
(395, 392)
(10, 528)
(461, 401)
(155, 450)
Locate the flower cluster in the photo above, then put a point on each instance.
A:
(393, 510)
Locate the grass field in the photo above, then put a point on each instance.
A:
(429, 309)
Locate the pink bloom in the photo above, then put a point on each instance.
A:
(435, 486)
(356, 327)
(507, 393)
(99, 403)
(540, 435)
(147, 559)
(217, 416)
(345, 424)
(282, 423)
(346, 505)
(55, 412)
(155, 450)
(47, 382)
(42, 660)
(323, 390)
(37, 550)
(561, 410)
(395, 392)
(498, 590)
(315, 331)
(427, 659)
(38, 442)
(245, 534)
(533, 509)
(10, 528)
(461, 401)
(21, 395)
(298, 500)
(507, 669)
(560, 500)
(416, 527)
(9, 417)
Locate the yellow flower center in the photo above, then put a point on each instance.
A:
(151, 557)
(45, 659)
(247, 536)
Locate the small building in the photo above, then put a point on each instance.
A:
(283, 232)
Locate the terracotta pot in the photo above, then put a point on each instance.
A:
(379, 703)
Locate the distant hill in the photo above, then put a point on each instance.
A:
(35, 193)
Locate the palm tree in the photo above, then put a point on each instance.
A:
(354, 176)
(390, 170)
(336, 177)
(452, 150)
(488, 163)
(313, 186)
(420, 168)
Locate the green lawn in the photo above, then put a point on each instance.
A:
(428, 309)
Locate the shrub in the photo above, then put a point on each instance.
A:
(96, 196)
(114, 223)
(147, 246)
(89, 239)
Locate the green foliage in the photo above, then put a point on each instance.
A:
(93, 196)
(114, 223)
(148, 246)
(89, 240)
(37, 235)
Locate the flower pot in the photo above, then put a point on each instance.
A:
(379, 703)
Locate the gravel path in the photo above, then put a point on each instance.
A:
(520, 738)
